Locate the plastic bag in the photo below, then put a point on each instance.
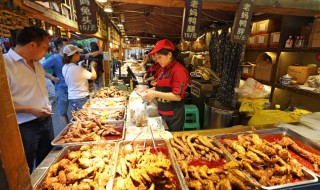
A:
(250, 106)
(253, 89)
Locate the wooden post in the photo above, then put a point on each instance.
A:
(106, 65)
(11, 148)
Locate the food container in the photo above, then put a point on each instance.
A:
(64, 152)
(221, 163)
(105, 103)
(106, 114)
(162, 146)
(119, 126)
(309, 176)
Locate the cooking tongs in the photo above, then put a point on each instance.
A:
(153, 142)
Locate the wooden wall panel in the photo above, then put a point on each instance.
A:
(11, 148)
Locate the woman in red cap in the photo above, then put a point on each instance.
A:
(171, 85)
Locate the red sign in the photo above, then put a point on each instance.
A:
(86, 16)
(242, 22)
(191, 20)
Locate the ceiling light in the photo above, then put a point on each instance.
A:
(101, 1)
(108, 9)
(50, 31)
(120, 24)
(78, 33)
(138, 39)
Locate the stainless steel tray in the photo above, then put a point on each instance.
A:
(68, 149)
(162, 145)
(106, 103)
(119, 126)
(309, 175)
(101, 110)
(226, 157)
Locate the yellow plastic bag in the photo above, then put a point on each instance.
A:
(263, 117)
(250, 106)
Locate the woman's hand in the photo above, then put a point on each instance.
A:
(149, 94)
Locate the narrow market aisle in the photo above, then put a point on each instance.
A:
(58, 126)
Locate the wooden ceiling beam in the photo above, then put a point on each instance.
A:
(283, 7)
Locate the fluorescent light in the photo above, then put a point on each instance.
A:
(101, 1)
(120, 24)
(59, 26)
(78, 33)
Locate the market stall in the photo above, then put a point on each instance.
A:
(147, 156)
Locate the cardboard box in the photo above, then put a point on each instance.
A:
(268, 26)
(262, 41)
(306, 30)
(274, 40)
(263, 71)
(314, 40)
(247, 70)
(316, 26)
(301, 73)
(251, 42)
(253, 29)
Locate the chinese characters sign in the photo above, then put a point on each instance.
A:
(86, 16)
(191, 20)
(242, 22)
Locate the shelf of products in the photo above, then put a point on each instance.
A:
(298, 90)
(283, 58)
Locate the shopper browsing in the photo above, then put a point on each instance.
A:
(27, 83)
(76, 77)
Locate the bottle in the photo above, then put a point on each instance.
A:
(289, 42)
(277, 106)
(267, 105)
(297, 43)
(131, 84)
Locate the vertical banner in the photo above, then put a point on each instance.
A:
(191, 20)
(86, 16)
(242, 22)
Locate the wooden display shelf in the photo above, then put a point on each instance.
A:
(298, 90)
(312, 50)
(262, 49)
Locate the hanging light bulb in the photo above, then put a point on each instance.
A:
(108, 8)
(50, 31)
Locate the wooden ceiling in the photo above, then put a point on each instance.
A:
(151, 20)
(151, 23)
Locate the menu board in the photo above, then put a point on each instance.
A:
(191, 20)
(86, 16)
(242, 22)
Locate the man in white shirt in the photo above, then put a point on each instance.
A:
(26, 78)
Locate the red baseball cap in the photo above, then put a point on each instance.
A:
(162, 44)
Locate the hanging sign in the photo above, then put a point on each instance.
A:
(86, 16)
(191, 20)
(242, 22)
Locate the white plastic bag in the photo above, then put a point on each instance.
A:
(253, 89)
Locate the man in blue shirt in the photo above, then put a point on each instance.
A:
(61, 90)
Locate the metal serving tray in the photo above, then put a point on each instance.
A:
(309, 175)
(226, 157)
(119, 126)
(161, 144)
(107, 109)
(68, 149)
(109, 102)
